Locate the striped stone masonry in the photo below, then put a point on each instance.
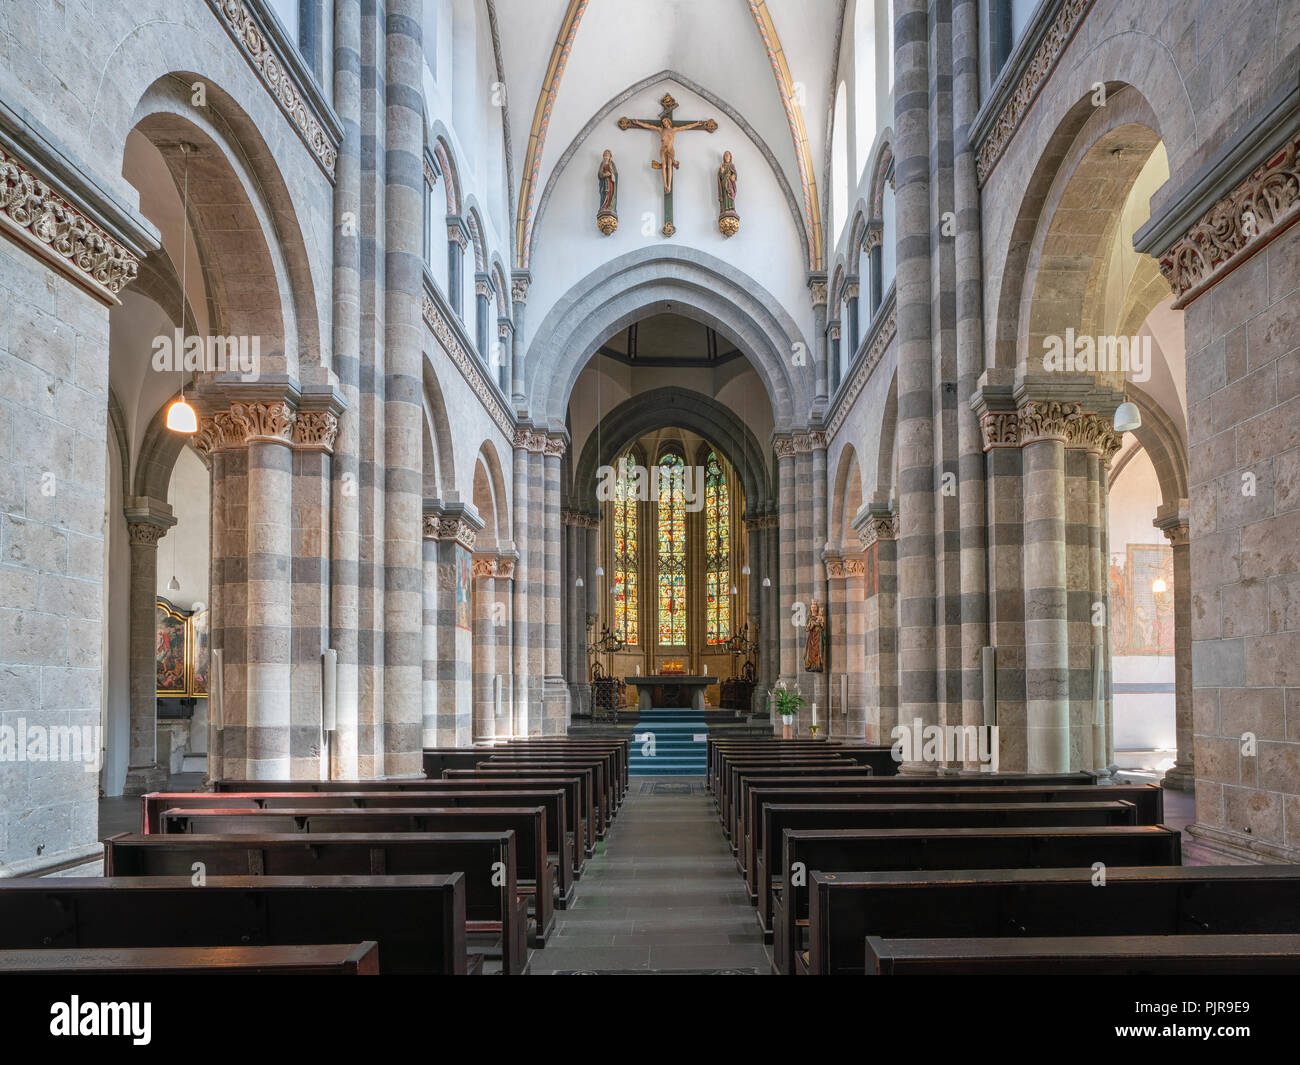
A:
(450, 531)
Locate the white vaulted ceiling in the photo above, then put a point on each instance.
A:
(717, 44)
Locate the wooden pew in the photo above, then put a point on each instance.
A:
(581, 823)
(733, 769)
(605, 774)
(777, 817)
(880, 759)
(493, 900)
(535, 875)
(325, 959)
(845, 907)
(550, 799)
(743, 776)
(1147, 799)
(418, 921)
(1138, 955)
(615, 752)
(600, 793)
(606, 756)
(861, 850)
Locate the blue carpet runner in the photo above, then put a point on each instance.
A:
(664, 744)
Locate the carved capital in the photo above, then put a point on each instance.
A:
(519, 289)
(1000, 428)
(505, 569)
(145, 533)
(818, 291)
(1041, 420)
(784, 447)
(443, 529)
(316, 429)
(855, 567)
(835, 569)
(880, 527)
(482, 567)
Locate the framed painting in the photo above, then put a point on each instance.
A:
(200, 655)
(171, 639)
(463, 618)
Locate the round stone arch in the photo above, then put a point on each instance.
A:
(439, 462)
(698, 286)
(243, 218)
(666, 407)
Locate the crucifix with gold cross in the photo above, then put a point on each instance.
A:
(667, 127)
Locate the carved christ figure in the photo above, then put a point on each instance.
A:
(667, 161)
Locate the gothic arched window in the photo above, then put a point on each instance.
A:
(672, 550)
(717, 552)
(626, 541)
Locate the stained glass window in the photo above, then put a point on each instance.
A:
(717, 552)
(672, 550)
(625, 552)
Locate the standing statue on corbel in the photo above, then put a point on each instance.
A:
(728, 219)
(607, 179)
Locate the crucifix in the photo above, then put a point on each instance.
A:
(667, 127)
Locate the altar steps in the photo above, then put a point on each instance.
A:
(664, 743)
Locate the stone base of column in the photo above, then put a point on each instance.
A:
(142, 779)
(556, 707)
(1180, 778)
(917, 769)
(1239, 849)
(580, 700)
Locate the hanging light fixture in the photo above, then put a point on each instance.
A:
(180, 415)
(579, 583)
(173, 585)
(734, 590)
(1127, 417)
(745, 571)
(767, 582)
(600, 571)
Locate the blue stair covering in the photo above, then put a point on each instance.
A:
(677, 753)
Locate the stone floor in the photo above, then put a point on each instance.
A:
(662, 894)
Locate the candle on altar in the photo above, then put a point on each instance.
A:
(814, 713)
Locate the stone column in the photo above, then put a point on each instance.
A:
(457, 242)
(556, 692)
(519, 283)
(1172, 519)
(503, 624)
(345, 514)
(878, 529)
(821, 364)
(772, 594)
(787, 579)
(854, 720)
(833, 356)
(1047, 667)
(820, 531)
(836, 633)
(917, 585)
(147, 521)
(404, 332)
(524, 531)
(482, 297)
(449, 720)
(483, 570)
(502, 357)
(874, 236)
(806, 562)
(854, 325)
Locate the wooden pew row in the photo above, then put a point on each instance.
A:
(616, 749)
(599, 790)
(744, 775)
(606, 755)
(735, 769)
(535, 871)
(1138, 955)
(550, 799)
(608, 775)
(880, 758)
(861, 850)
(494, 902)
(325, 959)
(778, 817)
(578, 793)
(845, 907)
(418, 921)
(1147, 799)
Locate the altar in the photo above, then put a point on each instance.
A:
(669, 690)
